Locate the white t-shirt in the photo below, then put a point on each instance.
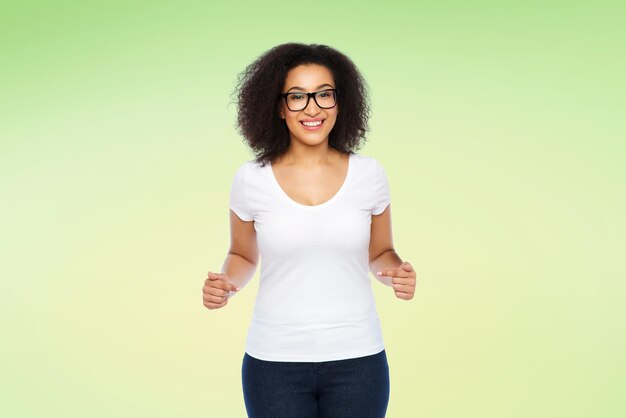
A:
(315, 300)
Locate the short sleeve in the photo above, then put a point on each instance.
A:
(239, 194)
(382, 195)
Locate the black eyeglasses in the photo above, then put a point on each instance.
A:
(324, 99)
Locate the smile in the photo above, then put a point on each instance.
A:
(312, 125)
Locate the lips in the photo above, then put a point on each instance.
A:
(312, 124)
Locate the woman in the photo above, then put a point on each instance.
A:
(319, 215)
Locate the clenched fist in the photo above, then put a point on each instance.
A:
(216, 290)
(402, 280)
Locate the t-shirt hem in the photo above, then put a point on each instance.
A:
(319, 357)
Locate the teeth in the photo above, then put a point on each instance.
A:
(312, 123)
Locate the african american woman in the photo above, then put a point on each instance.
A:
(318, 215)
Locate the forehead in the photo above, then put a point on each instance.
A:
(308, 76)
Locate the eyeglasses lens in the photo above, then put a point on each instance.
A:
(324, 99)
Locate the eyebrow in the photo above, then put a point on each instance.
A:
(318, 87)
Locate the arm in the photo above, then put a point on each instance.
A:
(243, 254)
(382, 255)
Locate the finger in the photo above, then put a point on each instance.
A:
(218, 283)
(216, 276)
(403, 295)
(403, 288)
(230, 287)
(393, 273)
(404, 292)
(213, 298)
(386, 273)
(212, 305)
(403, 280)
(225, 279)
(212, 283)
(223, 287)
(407, 266)
(215, 291)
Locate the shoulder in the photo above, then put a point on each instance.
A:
(251, 175)
(365, 159)
(366, 163)
(247, 167)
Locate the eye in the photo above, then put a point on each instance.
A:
(297, 96)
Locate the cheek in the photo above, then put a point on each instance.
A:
(334, 117)
(292, 122)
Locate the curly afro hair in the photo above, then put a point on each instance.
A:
(260, 84)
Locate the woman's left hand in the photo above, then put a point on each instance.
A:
(402, 279)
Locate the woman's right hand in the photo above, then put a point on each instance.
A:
(216, 290)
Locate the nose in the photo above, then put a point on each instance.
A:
(312, 108)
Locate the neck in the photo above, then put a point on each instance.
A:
(309, 156)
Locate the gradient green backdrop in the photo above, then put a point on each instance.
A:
(500, 125)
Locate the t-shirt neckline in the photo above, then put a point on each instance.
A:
(336, 196)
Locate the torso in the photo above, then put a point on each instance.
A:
(312, 187)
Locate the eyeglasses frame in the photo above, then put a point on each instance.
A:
(308, 99)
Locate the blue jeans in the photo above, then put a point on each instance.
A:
(350, 388)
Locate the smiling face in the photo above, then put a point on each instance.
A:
(311, 125)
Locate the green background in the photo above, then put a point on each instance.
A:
(500, 126)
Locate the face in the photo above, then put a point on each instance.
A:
(309, 78)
